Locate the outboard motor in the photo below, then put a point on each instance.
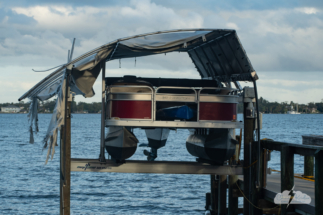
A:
(120, 143)
(157, 138)
(215, 145)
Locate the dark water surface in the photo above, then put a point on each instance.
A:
(29, 187)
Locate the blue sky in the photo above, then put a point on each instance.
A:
(283, 40)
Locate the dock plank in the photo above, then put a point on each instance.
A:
(273, 184)
(305, 186)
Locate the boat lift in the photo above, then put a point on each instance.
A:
(134, 102)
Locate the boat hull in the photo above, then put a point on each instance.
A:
(120, 143)
(217, 146)
(157, 137)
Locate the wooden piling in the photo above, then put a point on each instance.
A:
(222, 198)
(264, 167)
(67, 179)
(308, 166)
(318, 182)
(208, 201)
(316, 140)
(233, 199)
(65, 154)
(287, 174)
(61, 181)
(102, 136)
(214, 193)
(256, 189)
(247, 141)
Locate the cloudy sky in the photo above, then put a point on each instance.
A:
(283, 39)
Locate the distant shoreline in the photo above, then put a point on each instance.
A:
(46, 113)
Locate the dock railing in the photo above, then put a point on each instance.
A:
(287, 168)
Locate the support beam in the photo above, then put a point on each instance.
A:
(67, 168)
(61, 165)
(102, 154)
(287, 174)
(65, 153)
(162, 167)
(233, 190)
(256, 190)
(214, 193)
(265, 157)
(308, 166)
(316, 140)
(248, 139)
(304, 150)
(222, 199)
(233, 199)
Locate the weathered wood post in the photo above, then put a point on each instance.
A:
(316, 140)
(248, 117)
(61, 165)
(222, 195)
(256, 191)
(102, 154)
(265, 157)
(287, 174)
(233, 200)
(214, 193)
(318, 182)
(65, 152)
(309, 160)
(308, 166)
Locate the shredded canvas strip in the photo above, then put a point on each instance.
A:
(33, 117)
(57, 120)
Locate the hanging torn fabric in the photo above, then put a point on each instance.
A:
(33, 117)
(56, 122)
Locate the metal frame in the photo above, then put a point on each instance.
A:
(174, 97)
(174, 124)
(216, 99)
(169, 97)
(103, 114)
(159, 167)
(131, 95)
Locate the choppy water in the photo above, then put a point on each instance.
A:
(29, 187)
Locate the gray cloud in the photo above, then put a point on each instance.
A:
(277, 36)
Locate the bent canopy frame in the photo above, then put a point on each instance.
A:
(216, 53)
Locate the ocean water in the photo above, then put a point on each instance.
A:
(27, 186)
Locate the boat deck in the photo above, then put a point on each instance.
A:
(175, 124)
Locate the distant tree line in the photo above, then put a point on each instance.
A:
(274, 107)
(48, 106)
(95, 107)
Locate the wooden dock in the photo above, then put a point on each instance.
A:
(274, 187)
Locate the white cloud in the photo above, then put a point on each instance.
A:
(307, 10)
(291, 83)
(232, 25)
(281, 39)
(271, 40)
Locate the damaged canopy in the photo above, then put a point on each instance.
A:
(216, 53)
